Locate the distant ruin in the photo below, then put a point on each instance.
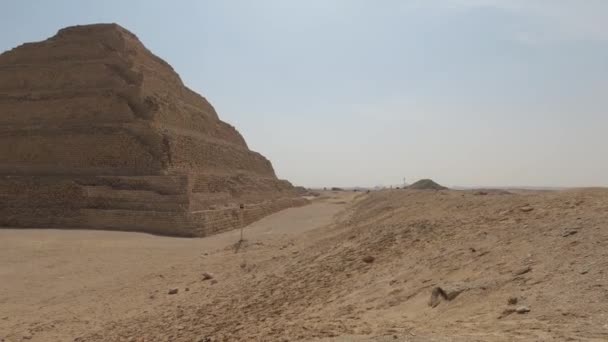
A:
(426, 184)
(97, 132)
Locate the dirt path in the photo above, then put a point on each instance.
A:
(58, 284)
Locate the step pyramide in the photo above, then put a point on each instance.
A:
(97, 132)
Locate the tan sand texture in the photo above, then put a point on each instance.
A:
(525, 266)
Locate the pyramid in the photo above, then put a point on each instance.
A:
(98, 132)
(426, 184)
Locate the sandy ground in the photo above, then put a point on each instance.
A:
(305, 274)
(57, 284)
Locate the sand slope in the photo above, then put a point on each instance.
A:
(302, 277)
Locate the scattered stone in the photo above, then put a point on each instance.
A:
(173, 291)
(512, 300)
(523, 271)
(522, 310)
(473, 250)
(569, 233)
(187, 289)
(213, 282)
(207, 276)
(526, 209)
(447, 293)
(368, 259)
(506, 312)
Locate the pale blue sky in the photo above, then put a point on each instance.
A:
(356, 92)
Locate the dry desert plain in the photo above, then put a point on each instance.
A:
(393, 265)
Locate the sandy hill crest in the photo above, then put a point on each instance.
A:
(98, 132)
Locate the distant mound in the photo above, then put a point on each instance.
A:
(426, 184)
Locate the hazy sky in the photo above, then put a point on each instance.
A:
(357, 92)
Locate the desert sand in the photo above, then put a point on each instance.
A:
(524, 266)
(56, 284)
